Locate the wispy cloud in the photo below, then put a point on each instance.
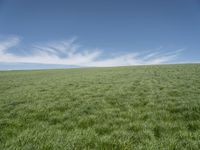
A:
(68, 52)
(6, 44)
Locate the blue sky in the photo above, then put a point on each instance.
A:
(37, 34)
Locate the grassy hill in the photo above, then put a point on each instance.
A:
(143, 107)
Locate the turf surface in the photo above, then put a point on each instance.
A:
(144, 107)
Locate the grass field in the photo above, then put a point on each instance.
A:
(144, 107)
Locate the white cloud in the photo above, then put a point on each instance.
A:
(6, 44)
(70, 53)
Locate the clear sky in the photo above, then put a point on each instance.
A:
(84, 33)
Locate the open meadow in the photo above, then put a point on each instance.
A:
(139, 107)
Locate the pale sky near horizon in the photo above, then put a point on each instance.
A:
(36, 34)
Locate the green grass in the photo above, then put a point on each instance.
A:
(144, 107)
